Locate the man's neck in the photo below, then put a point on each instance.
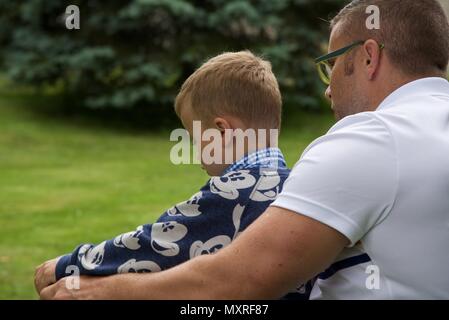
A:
(390, 85)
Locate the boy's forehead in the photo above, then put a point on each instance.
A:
(187, 115)
(184, 112)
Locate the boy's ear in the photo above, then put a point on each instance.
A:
(222, 124)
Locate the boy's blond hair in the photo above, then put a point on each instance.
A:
(237, 84)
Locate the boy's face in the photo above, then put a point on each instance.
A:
(187, 116)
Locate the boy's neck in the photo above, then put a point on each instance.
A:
(261, 156)
(249, 148)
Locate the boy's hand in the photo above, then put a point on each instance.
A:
(45, 274)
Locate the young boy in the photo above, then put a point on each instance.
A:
(229, 92)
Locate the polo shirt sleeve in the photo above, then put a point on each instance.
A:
(346, 179)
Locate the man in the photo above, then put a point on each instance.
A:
(376, 183)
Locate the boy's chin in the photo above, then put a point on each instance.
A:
(212, 171)
(203, 167)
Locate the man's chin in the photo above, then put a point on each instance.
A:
(336, 114)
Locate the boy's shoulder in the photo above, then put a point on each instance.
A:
(247, 182)
(238, 187)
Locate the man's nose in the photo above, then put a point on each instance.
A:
(328, 93)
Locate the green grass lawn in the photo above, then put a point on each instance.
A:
(67, 180)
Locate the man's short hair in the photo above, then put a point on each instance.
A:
(237, 84)
(415, 32)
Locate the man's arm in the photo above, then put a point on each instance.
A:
(278, 251)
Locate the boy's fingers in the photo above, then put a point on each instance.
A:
(37, 278)
(36, 270)
(39, 284)
(42, 277)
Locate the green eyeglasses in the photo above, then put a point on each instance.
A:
(326, 62)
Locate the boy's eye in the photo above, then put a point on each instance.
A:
(331, 62)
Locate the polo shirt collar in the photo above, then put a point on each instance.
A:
(425, 86)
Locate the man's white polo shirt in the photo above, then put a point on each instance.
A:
(382, 179)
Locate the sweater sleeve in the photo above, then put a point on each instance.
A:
(203, 224)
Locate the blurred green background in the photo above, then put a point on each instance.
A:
(85, 115)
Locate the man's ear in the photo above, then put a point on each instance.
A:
(371, 58)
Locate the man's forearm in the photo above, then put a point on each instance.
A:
(217, 276)
(195, 279)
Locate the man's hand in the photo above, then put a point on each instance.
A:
(45, 274)
(93, 288)
(61, 291)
